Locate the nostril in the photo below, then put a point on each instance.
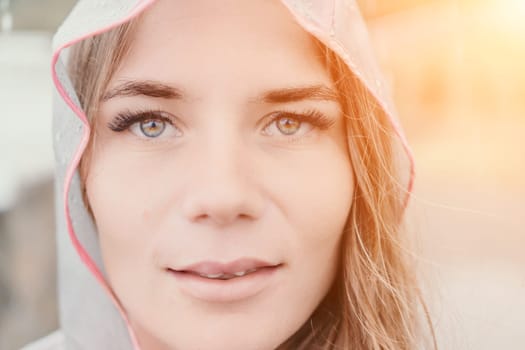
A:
(220, 216)
(222, 205)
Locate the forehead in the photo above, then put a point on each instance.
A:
(185, 42)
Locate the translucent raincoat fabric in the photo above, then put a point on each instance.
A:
(90, 314)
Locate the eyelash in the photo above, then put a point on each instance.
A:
(313, 117)
(125, 120)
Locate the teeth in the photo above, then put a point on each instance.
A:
(217, 275)
(227, 276)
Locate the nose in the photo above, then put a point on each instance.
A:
(222, 189)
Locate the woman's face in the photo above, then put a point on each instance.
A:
(220, 180)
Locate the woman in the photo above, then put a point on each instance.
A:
(233, 179)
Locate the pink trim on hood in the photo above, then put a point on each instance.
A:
(313, 28)
(141, 6)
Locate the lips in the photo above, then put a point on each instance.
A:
(237, 268)
(225, 282)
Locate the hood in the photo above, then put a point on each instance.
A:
(90, 314)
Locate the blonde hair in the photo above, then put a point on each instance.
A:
(375, 302)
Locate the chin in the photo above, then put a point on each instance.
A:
(216, 335)
(233, 340)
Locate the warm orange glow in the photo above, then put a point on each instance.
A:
(458, 75)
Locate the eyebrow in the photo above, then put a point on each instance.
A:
(295, 94)
(156, 89)
(147, 88)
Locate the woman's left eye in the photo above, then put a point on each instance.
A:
(288, 126)
(296, 125)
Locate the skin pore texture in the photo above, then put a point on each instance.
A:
(220, 138)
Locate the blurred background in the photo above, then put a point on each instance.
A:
(457, 71)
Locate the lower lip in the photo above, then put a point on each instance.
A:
(225, 291)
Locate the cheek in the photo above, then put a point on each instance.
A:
(122, 181)
(118, 190)
(111, 190)
(315, 193)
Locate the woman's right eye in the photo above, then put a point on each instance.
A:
(149, 125)
(152, 128)
(149, 128)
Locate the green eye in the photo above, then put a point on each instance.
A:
(152, 128)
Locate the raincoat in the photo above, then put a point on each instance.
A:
(90, 314)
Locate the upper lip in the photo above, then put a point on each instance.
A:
(214, 267)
